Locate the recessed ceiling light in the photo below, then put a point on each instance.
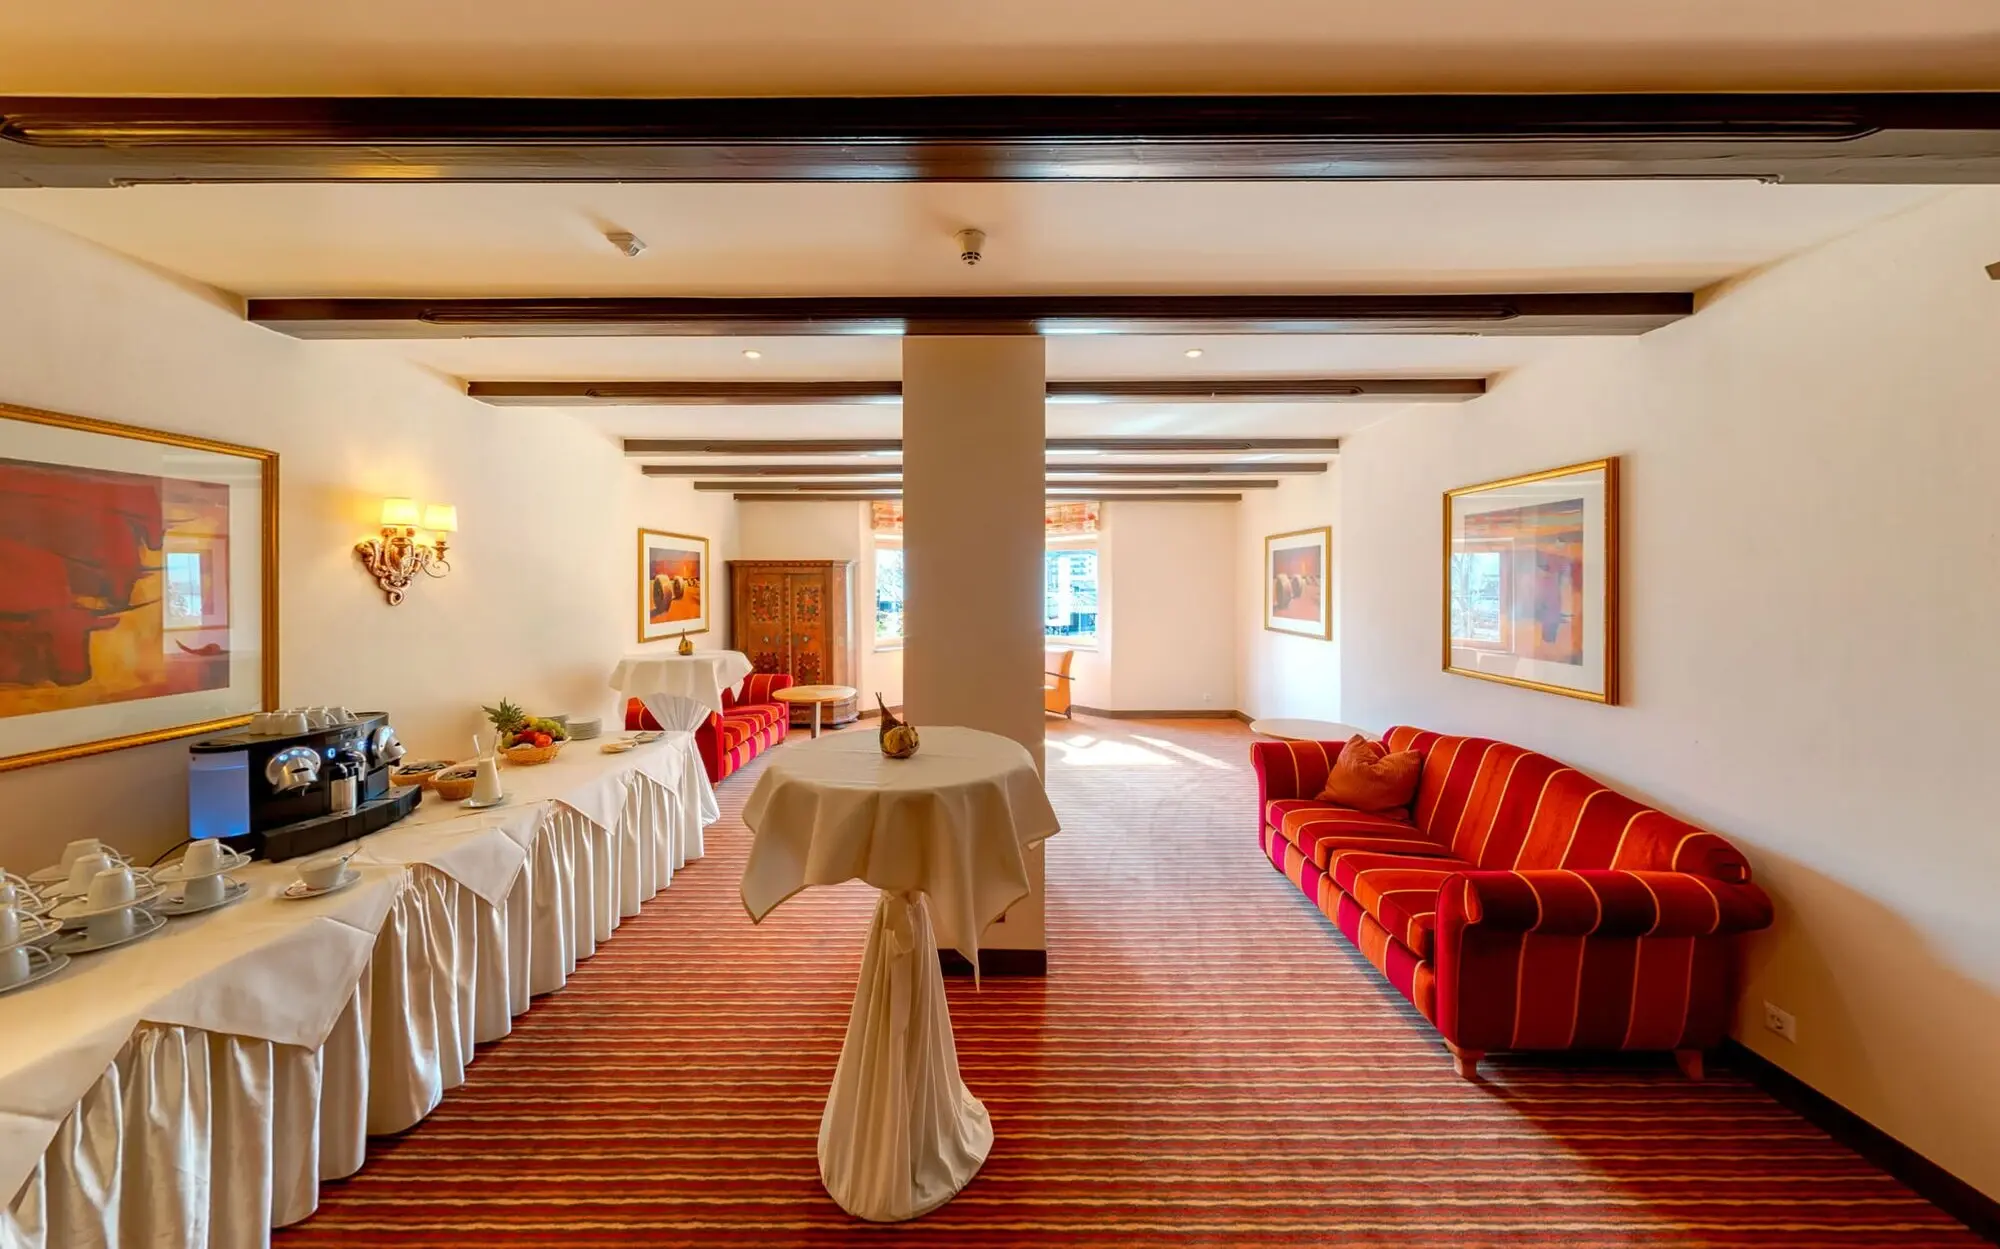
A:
(1192, 353)
(751, 353)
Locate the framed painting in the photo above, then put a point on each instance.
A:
(1531, 581)
(140, 598)
(673, 585)
(1298, 583)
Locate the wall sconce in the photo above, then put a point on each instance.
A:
(404, 550)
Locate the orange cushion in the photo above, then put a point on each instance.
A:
(1367, 778)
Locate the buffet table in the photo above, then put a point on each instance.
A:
(194, 1088)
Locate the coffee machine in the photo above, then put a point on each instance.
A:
(297, 782)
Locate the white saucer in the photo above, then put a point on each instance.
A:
(473, 804)
(33, 929)
(232, 891)
(297, 891)
(175, 872)
(41, 965)
(55, 875)
(79, 907)
(145, 924)
(31, 903)
(617, 747)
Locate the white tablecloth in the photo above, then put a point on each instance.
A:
(941, 834)
(252, 1050)
(701, 676)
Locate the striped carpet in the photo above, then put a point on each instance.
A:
(1208, 1063)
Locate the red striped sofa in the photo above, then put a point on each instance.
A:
(751, 723)
(1520, 905)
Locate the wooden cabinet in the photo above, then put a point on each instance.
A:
(797, 616)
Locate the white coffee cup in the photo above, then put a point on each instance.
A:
(203, 858)
(292, 722)
(80, 847)
(10, 894)
(205, 890)
(14, 966)
(10, 926)
(113, 926)
(111, 887)
(325, 871)
(85, 870)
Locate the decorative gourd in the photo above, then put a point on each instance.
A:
(899, 740)
(687, 643)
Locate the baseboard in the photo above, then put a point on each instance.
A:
(1244, 716)
(1932, 1182)
(1181, 713)
(996, 963)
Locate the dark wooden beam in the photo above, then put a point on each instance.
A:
(1066, 485)
(1886, 137)
(751, 497)
(1523, 314)
(864, 446)
(890, 468)
(574, 394)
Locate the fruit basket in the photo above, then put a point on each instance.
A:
(526, 739)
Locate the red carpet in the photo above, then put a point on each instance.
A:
(1208, 1062)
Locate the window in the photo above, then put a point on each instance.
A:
(1069, 604)
(888, 594)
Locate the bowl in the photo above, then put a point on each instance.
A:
(454, 784)
(420, 772)
(325, 871)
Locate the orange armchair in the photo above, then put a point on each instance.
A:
(1055, 681)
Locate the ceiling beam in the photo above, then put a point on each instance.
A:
(866, 446)
(575, 394)
(1629, 312)
(751, 497)
(1066, 485)
(887, 469)
(1882, 137)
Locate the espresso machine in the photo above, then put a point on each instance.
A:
(297, 782)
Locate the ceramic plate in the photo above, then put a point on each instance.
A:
(175, 872)
(144, 925)
(232, 891)
(473, 804)
(39, 968)
(297, 890)
(616, 748)
(80, 907)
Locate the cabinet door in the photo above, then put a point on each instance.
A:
(763, 632)
(805, 594)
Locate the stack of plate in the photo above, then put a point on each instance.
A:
(584, 730)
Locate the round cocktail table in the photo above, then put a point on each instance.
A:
(817, 695)
(1306, 730)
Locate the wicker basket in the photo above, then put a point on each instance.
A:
(404, 776)
(526, 755)
(453, 790)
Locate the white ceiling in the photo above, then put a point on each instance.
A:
(880, 47)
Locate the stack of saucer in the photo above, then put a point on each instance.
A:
(112, 912)
(584, 730)
(22, 962)
(200, 876)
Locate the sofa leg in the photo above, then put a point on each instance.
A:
(1690, 1063)
(1466, 1061)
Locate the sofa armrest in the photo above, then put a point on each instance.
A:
(1602, 903)
(1290, 769)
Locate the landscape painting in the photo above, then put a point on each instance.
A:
(1530, 581)
(119, 618)
(1298, 588)
(673, 585)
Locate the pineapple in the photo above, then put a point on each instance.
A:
(506, 718)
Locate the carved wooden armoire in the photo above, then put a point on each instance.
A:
(797, 616)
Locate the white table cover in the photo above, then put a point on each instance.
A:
(250, 1052)
(701, 676)
(942, 832)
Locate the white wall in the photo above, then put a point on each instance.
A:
(1282, 674)
(1811, 602)
(1172, 590)
(540, 602)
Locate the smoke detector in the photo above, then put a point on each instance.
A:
(970, 245)
(625, 241)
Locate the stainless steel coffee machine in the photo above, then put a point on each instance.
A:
(296, 782)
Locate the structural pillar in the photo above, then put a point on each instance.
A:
(974, 434)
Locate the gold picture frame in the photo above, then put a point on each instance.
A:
(1298, 569)
(78, 715)
(1531, 599)
(659, 621)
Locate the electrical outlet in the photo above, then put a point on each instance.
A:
(1781, 1022)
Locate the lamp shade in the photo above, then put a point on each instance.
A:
(399, 512)
(441, 518)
